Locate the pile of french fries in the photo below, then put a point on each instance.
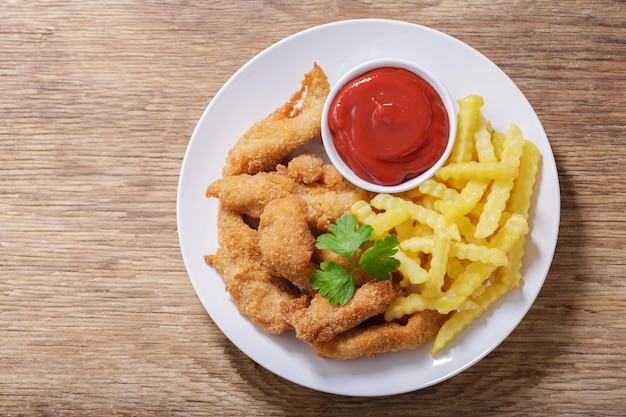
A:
(462, 233)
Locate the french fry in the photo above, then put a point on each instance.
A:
(497, 139)
(501, 189)
(422, 230)
(472, 277)
(383, 222)
(468, 229)
(405, 230)
(417, 212)
(493, 208)
(412, 194)
(482, 139)
(403, 306)
(519, 200)
(479, 253)
(410, 269)
(462, 319)
(454, 268)
(469, 114)
(465, 201)
(438, 262)
(513, 146)
(474, 170)
(512, 276)
(422, 244)
(437, 190)
(406, 305)
(363, 212)
(513, 229)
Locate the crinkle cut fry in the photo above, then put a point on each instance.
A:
(272, 139)
(421, 327)
(256, 293)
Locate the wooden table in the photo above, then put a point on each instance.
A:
(97, 104)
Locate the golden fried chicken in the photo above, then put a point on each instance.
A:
(249, 194)
(321, 321)
(256, 292)
(306, 168)
(285, 240)
(372, 340)
(272, 139)
(327, 205)
(328, 197)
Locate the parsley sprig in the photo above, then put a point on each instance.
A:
(332, 279)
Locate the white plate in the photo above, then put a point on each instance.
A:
(266, 82)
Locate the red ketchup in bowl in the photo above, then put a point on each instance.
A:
(389, 125)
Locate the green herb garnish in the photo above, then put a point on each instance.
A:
(346, 237)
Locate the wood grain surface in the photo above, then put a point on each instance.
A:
(98, 100)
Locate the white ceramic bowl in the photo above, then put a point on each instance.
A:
(327, 137)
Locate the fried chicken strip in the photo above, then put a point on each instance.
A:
(286, 242)
(256, 292)
(322, 321)
(250, 194)
(326, 206)
(388, 337)
(306, 168)
(293, 124)
(328, 197)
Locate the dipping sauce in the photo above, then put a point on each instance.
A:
(389, 125)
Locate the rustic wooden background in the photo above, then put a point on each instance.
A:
(98, 100)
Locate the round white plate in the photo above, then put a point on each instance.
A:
(265, 83)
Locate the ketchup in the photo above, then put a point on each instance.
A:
(389, 125)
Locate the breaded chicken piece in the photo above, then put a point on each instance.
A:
(306, 168)
(326, 206)
(250, 194)
(322, 321)
(259, 295)
(333, 180)
(256, 292)
(272, 139)
(421, 327)
(285, 240)
(328, 198)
